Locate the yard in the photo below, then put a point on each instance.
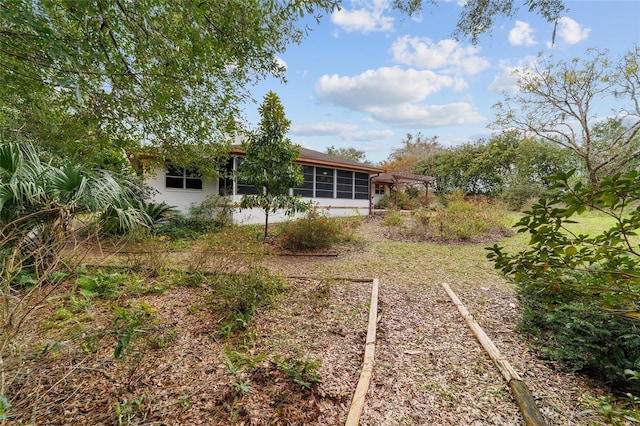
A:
(142, 338)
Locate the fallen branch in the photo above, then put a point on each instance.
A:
(521, 393)
(357, 402)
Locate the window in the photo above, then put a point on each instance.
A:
(324, 182)
(243, 188)
(362, 186)
(179, 178)
(345, 184)
(225, 182)
(306, 189)
(379, 189)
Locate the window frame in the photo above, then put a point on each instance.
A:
(182, 179)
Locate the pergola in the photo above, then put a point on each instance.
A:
(397, 179)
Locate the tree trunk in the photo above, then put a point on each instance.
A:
(266, 225)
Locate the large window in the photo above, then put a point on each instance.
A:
(225, 182)
(179, 178)
(242, 188)
(362, 186)
(306, 189)
(324, 182)
(345, 184)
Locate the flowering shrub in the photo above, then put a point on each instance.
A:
(314, 231)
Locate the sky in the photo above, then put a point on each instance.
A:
(367, 75)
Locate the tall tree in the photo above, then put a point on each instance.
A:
(269, 163)
(414, 149)
(350, 154)
(558, 102)
(168, 75)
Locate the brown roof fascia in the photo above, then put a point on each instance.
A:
(322, 159)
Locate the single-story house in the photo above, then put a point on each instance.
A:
(384, 183)
(338, 186)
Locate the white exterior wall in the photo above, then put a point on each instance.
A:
(183, 199)
(331, 206)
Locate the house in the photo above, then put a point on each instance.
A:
(339, 187)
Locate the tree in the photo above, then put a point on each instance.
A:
(558, 102)
(350, 154)
(414, 149)
(269, 163)
(478, 16)
(147, 73)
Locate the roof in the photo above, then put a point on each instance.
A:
(399, 178)
(309, 156)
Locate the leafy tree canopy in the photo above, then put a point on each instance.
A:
(478, 16)
(414, 149)
(92, 79)
(350, 154)
(83, 74)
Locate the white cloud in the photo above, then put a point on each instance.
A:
(507, 79)
(521, 35)
(446, 55)
(345, 131)
(369, 17)
(323, 128)
(396, 97)
(570, 31)
(368, 136)
(427, 116)
(384, 86)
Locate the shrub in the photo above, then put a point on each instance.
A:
(581, 293)
(209, 216)
(460, 220)
(314, 231)
(518, 196)
(237, 296)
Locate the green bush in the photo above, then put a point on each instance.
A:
(518, 196)
(581, 293)
(570, 328)
(313, 232)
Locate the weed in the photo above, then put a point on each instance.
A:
(104, 284)
(242, 388)
(234, 409)
(237, 361)
(5, 406)
(237, 296)
(303, 372)
(128, 410)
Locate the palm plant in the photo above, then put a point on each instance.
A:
(38, 202)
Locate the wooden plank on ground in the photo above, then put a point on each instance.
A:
(357, 402)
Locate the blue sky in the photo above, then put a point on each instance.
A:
(368, 75)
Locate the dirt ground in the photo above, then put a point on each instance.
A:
(429, 369)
